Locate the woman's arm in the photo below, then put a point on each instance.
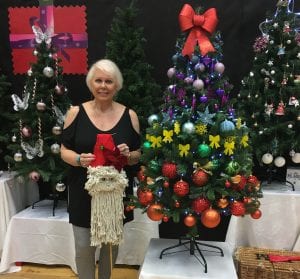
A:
(69, 156)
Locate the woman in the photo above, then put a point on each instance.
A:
(82, 124)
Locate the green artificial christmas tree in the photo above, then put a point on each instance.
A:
(197, 155)
(40, 112)
(269, 95)
(125, 45)
(5, 119)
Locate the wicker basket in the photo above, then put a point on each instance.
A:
(253, 263)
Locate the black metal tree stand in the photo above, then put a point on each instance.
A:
(191, 244)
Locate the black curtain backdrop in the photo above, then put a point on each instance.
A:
(238, 23)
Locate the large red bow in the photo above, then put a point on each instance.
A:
(107, 154)
(201, 26)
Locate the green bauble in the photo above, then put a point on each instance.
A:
(215, 164)
(204, 150)
(233, 168)
(147, 144)
(154, 166)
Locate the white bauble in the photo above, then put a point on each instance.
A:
(296, 158)
(267, 158)
(279, 162)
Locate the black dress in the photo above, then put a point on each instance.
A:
(80, 137)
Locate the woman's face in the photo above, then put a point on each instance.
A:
(103, 85)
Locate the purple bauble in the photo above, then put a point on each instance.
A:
(171, 72)
(220, 92)
(198, 84)
(203, 99)
(206, 60)
(180, 76)
(199, 67)
(219, 67)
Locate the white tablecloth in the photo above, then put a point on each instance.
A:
(15, 195)
(278, 228)
(34, 235)
(182, 265)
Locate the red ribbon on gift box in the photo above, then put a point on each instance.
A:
(107, 154)
(280, 258)
(200, 27)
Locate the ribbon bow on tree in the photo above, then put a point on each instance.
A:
(200, 27)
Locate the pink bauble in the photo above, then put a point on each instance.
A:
(219, 67)
(171, 72)
(198, 84)
(35, 176)
(26, 132)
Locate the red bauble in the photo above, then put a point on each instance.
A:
(177, 204)
(190, 220)
(227, 184)
(242, 183)
(169, 170)
(238, 208)
(256, 214)
(181, 188)
(165, 218)
(253, 180)
(200, 204)
(200, 177)
(154, 212)
(145, 196)
(141, 174)
(166, 184)
(210, 218)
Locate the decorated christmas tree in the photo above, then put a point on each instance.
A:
(197, 155)
(125, 45)
(269, 95)
(5, 119)
(40, 111)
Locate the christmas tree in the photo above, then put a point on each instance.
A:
(269, 95)
(125, 45)
(197, 155)
(5, 119)
(40, 112)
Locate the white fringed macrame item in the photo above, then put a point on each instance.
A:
(106, 185)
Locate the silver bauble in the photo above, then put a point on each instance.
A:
(18, 157)
(55, 148)
(48, 72)
(41, 106)
(29, 72)
(14, 138)
(56, 130)
(60, 187)
(152, 118)
(188, 127)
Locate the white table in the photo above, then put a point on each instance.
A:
(182, 265)
(36, 236)
(278, 227)
(15, 195)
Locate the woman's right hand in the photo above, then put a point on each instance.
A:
(86, 159)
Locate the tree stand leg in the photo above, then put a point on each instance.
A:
(193, 244)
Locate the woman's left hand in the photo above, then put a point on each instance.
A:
(124, 149)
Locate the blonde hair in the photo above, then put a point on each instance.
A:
(108, 66)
